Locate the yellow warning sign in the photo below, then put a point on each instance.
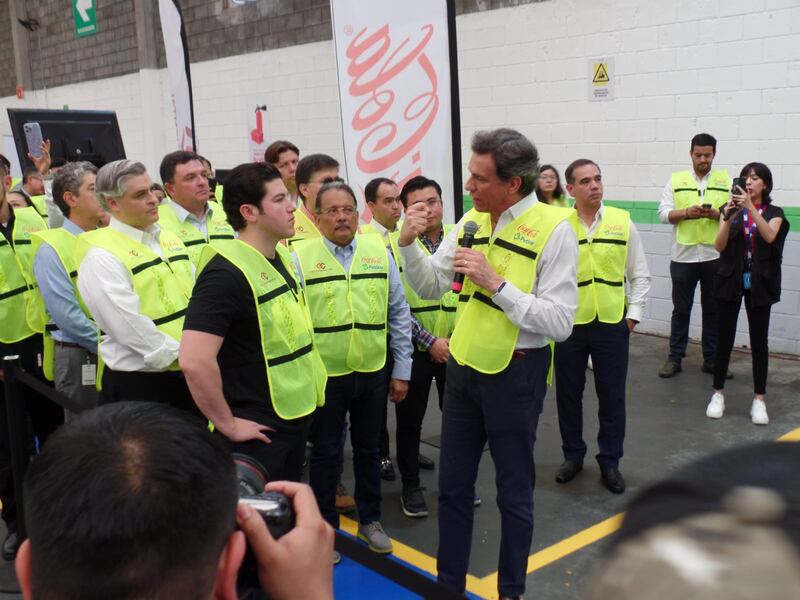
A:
(600, 78)
(600, 74)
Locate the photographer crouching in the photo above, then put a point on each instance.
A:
(133, 500)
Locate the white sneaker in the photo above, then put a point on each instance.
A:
(716, 407)
(758, 412)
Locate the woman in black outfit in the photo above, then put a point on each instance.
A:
(750, 243)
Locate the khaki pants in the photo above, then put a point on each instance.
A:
(68, 365)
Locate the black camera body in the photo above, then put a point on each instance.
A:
(274, 507)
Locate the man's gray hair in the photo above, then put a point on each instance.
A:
(69, 178)
(514, 155)
(112, 177)
(334, 184)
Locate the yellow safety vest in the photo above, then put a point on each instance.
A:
(691, 232)
(436, 316)
(40, 204)
(163, 285)
(216, 223)
(218, 192)
(63, 243)
(601, 267)
(304, 228)
(484, 338)
(18, 306)
(367, 228)
(349, 309)
(295, 371)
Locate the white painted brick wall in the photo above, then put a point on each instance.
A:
(729, 67)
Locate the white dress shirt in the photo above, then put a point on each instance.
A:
(184, 216)
(680, 252)
(130, 341)
(637, 274)
(543, 313)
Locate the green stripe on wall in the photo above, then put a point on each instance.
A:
(647, 212)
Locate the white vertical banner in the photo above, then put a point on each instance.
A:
(180, 81)
(394, 91)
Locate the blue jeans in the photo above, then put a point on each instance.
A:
(504, 409)
(362, 395)
(608, 346)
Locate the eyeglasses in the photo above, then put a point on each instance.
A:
(347, 211)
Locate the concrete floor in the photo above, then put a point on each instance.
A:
(666, 429)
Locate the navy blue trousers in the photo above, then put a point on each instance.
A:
(607, 344)
(685, 277)
(504, 409)
(363, 396)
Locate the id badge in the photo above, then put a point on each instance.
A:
(746, 280)
(88, 374)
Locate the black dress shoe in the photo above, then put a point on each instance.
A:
(567, 471)
(10, 546)
(426, 463)
(613, 480)
(387, 469)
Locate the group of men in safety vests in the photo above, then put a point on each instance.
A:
(329, 307)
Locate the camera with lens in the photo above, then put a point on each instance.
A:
(275, 508)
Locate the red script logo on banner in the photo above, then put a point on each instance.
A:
(374, 70)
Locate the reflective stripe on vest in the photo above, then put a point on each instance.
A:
(40, 204)
(163, 285)
(349, 310)
(304, 227)
(685, 192)
(601, 267)
(484, 338)
(18, 290)
(295, 371)
(63, 244)
(217, 227)
(436, 316)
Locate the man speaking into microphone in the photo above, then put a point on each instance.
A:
(519, 293)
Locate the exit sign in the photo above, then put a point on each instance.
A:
(85, 17)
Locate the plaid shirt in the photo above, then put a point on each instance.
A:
(419, 335)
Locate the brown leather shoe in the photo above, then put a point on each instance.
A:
(344, 501)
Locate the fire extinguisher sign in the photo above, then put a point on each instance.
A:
(257, 139)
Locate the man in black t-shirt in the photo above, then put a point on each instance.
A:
(247, 349)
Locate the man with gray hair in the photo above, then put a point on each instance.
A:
(136, 280)
(519, 293)
(70, 338)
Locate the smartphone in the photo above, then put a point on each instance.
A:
(33, 136)
(706, 206)
(740, 182)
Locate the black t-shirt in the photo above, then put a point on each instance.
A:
(222, 304)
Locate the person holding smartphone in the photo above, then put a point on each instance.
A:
(690, 202)
(750, 242)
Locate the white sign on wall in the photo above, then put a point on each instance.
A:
(394, 90)
(601, 79)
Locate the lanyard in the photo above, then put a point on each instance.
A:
(750, 233)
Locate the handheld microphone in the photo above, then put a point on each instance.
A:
(470, 229)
